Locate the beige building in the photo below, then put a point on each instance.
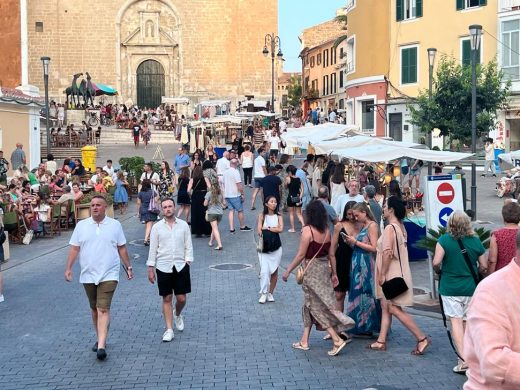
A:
(20, 122)
(146, 49)
(282, 92)
(321, 65)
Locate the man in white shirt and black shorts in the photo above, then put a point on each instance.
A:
(170, 256)
(259, 172)
(100, 244)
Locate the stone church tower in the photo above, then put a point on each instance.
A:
(200, 49)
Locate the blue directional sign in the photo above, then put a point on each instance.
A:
(444, 214)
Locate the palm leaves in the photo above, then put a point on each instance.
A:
(430, 240)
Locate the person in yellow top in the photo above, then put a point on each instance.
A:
(107, 180)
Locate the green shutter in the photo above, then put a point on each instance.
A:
(418, 8)
(404, 66)
(413, 65)
(460, 5)
(482, 2)
(399, 10)
(466, 52)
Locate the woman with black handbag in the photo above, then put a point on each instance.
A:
(393, 277)
(294, 199)
(269, 227)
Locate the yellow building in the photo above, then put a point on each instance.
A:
(415, 26)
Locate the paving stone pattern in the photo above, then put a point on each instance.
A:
(230, 341)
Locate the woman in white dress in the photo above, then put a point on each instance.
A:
(337, 182)
(269, 227)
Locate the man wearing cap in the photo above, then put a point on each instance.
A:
(181, 160)
(271, 184)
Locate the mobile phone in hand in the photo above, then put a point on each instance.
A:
(344, 235)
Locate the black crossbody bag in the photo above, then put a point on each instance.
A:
(396, 286)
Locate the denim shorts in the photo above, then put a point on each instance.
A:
(258, 182)
(235, 204)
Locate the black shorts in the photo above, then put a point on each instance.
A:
(273, 152)
(177, 282)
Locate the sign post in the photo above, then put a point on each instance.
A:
(443, 195)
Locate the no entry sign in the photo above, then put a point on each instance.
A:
(445, 193)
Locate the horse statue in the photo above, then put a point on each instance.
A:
(74, 90)
(90, 92)
(83, 91)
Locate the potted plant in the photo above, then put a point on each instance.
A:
(84, 212)
(429, 241)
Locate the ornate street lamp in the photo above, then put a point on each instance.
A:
(46, 61)
(273, 41)
(475, 32)
(431, 60)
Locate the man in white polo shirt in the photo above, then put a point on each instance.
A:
(259, 172)
(170, 257)
(234, 194)
(100, 244)
(222, 166)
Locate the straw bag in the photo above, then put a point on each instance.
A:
(300, 272)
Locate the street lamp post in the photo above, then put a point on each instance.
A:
(475, 32)
(45, 62)
(273, 41)
(431, 60)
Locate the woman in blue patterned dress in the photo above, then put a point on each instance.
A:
(362, 304)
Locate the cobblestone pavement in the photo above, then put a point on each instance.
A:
(230, 341)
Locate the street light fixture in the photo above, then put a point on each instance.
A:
(431, 60)
(272, 41)
(475, 32)
(46, 61)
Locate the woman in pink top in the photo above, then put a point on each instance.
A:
(502, 245)
(492, 340)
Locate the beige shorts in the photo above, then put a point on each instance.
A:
(100, 296)
(456, 307)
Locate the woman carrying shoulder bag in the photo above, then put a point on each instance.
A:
(391, 264)
(269, 227)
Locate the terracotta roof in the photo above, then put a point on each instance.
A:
(286, 76)
(321, 33)
(17, 96)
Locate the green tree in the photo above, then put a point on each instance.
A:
(449, 110)
(294, 91)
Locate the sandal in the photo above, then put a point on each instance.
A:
(337, 349)
(460, 369)
(381, 348)
(291, 231)
(327, 337)
(417, 351)
(299, 345)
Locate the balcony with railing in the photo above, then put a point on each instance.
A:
(509, 5)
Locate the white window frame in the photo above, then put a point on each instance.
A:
(350, 5)
(350, 117)
(410, 3)
(359, 113)
(352, 69)
(502, 47)
(467, 6)
(401, 48)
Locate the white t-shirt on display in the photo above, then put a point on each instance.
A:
(259, 165)
(231, 178)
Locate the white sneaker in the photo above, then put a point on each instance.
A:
(168, 335)
(270, 297)
(263, 298)
(179, 322)
(2, 298)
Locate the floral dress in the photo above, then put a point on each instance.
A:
(166, 186)
(362, 304)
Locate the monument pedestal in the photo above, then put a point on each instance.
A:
(75, 117)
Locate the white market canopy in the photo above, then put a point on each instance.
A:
(509, 160)
(384, 153)
(214, 103)
(302, 136)
(264, 113)
(224, 118)
(331, 146)
(175, 100)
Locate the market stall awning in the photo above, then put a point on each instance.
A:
(102, 89)
(266, 114)
(302, 136)
(509, 160)
(214, 103)
(385, 153)
(224, 118)
(330, 146)
(175, 100)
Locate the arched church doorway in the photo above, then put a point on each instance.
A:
(150, 84)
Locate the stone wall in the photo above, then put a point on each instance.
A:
(10, 57)
(208, 48)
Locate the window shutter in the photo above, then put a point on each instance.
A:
(413, 65)
(418, 9)
(404, 66)
(466, 52)
(482, 2)
(399, 10)
(460, 5)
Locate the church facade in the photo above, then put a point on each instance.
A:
(199, 49)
